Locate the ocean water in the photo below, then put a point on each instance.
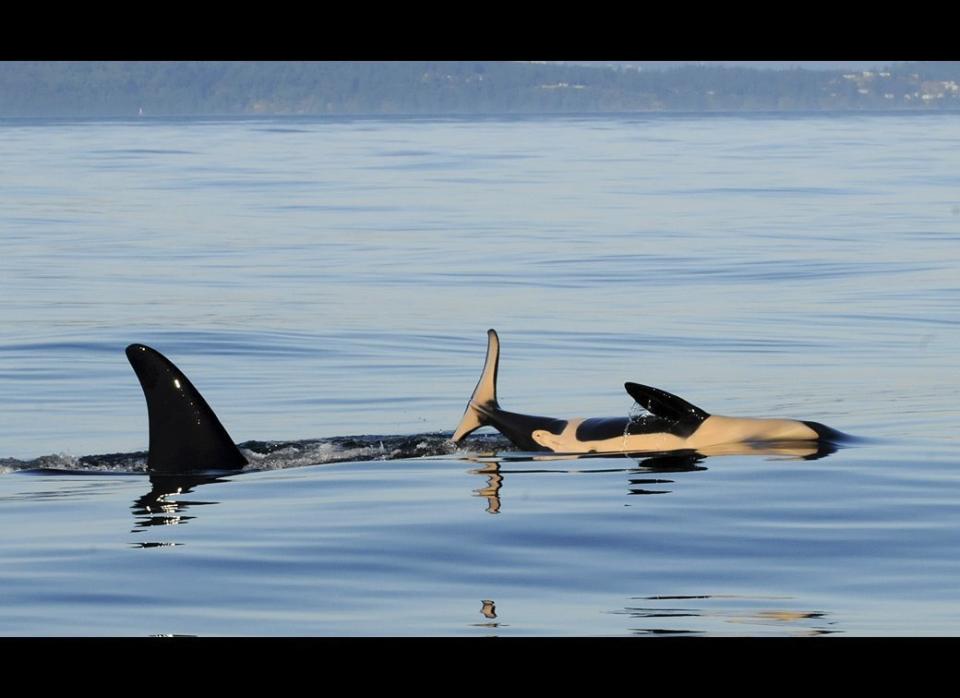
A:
(327, 285)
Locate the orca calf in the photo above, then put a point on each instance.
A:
(185, 434)
(672, 424)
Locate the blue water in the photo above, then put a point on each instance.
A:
(322, 278)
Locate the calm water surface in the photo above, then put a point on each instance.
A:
(320, 278)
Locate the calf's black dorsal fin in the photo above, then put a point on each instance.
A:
(185, 434)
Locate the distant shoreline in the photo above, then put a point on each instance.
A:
(407, 89)
(306, 118)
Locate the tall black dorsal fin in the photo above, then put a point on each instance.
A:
(185, 434)
(664, 404)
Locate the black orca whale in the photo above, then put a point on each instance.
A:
(185, 434)
(672, 424)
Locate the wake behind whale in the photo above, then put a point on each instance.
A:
(277, 455)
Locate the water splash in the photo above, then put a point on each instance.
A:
(278, 455)
(636, 413)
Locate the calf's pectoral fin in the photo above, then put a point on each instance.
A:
(684, 416)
